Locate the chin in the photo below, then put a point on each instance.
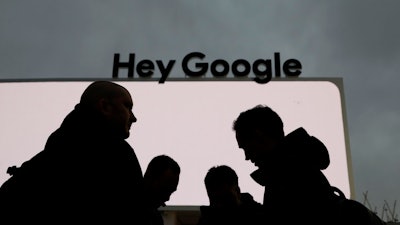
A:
(125, 135)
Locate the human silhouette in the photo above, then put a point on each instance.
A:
(160, 181)
(289, 166)
(87, 172)
(228, 205)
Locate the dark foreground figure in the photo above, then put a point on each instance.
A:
(87, 172)
(228, 205)
(289, 167)
(160, 181)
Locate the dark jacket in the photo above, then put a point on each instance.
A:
(294, 167)
(296, 190)
(84, 175)
(249, 212)
(151, 210)
(156, 217)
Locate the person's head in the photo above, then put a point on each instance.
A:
(161, 179)
(258, 131)
(113, 102)
(222, 187)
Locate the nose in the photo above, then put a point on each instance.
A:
(133, 118)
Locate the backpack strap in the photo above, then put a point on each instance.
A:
(339, 193)
(352, 211)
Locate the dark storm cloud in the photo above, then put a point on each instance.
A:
(361, 43)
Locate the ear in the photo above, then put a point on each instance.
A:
(238, 195)
(259, 134)
(104, 106)
(237, 191)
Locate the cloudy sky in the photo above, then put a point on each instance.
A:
(356, 40)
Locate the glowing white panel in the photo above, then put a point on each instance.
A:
(191, 121)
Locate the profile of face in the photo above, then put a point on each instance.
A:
(224, 196)
(119, 114)
(163, 187)
(256, 147)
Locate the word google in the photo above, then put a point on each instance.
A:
(194, 64)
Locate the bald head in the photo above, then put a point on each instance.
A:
(101, 90)
(113, 102)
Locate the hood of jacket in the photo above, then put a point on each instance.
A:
(299, 152)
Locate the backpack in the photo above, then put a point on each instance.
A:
(349, 211)
(13, 184)
(18, 186)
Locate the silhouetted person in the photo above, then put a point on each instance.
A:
(87, 172)
(296, 190)
(227, 204)
(160, 181)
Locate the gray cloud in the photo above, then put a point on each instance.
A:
(356, 40)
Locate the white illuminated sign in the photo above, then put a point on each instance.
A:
(191, 121)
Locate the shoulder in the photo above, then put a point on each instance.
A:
(248, 199)
(353, 211)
